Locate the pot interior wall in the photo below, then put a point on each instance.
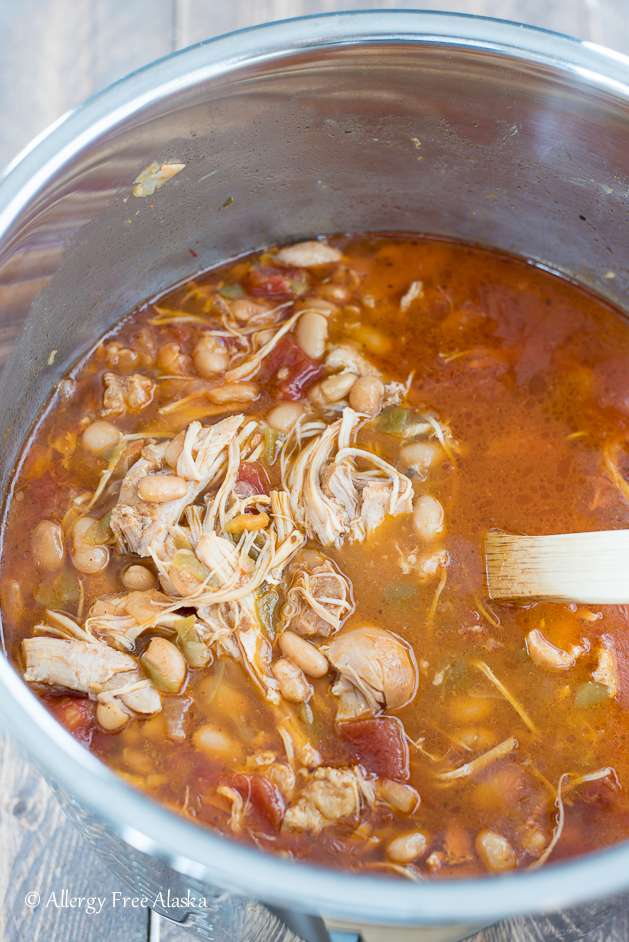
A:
(413, 137)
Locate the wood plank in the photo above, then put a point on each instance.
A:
(56, 53)
(530, 930)
(201, 19)
(42, 853)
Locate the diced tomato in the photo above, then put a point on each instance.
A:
(290, 371)
(77, 714)
(264, 798)
(180, 333)
(253, 474)
(380, 745)
(283, 285)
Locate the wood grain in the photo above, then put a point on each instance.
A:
(40, 852)
(54, 54)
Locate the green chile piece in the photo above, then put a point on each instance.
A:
(195, 651)
(394, 420)
(590, 695)
(100, 531)
(273, 439)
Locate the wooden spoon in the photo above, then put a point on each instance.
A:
(562, 567)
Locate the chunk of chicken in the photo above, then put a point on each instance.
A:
(129, 393)
(377, 664)
(307, 254)
(544, 653)
(138, 524)
(376, 500)
(90, 667)
(76, 665)
(394, 393)
(329, 795)
(318, 601)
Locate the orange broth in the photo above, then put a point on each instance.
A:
(528, 372)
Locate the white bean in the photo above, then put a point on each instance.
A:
(165, 665)
(304, 654)
(292, 681)
(366, 395)
(402, 798)
(533, 841)
(47, 546)
(215, 742)
(12, 599)
(476, 738)
(111, 715)
(174, 449)
(373, 339)
(244, 309)
(233, 392)
(138, 578)
(407, 847)
(210, 356)
(285, 416)
(138, 761)
(101, 435)
(428, 517)
(334, 388)
(495, 851)
(171, 360)
(338, 293)
(420, 457)
(162, 488)
(468, 709)
(317, 304)
(85, 557)
(312, 334)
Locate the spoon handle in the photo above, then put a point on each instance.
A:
(562, 567)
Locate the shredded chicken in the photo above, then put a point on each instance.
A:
(607, 671)
(415, 290)
(325, 482)
(121, 619)
(318, 600)
(137, 523)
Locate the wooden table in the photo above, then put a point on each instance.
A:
(54, 54)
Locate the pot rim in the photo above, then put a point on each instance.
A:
(144, 824)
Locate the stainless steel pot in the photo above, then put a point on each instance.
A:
(382, 121)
